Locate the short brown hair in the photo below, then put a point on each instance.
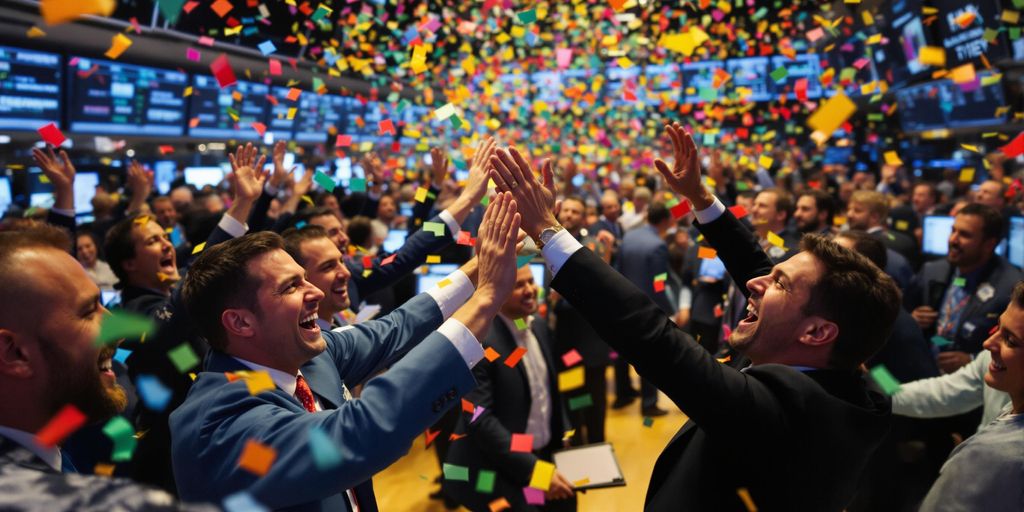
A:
(783, 201)
(874, 202)
(1017, 297)
(219, 279)
(34, 235)
(119, 247)
(855, 294)
(295, 237)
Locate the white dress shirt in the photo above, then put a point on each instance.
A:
(538, 424)
(49, 454)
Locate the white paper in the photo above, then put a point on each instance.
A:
(595, 462)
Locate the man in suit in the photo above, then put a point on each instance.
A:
(370, 275)
(869, 211)
(960, 297)
(50, 316)
(804, 412)
(522, 400)
(770, 213)
(317, 450)
(644, 257)
(814, 212)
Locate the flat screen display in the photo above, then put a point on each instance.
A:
(317, 114)
(85, 188)
(228, 112)
(802, 66)
(199, 177)
(936, 231)
(109, 97)
(29, 89)
(433, 275)
(163, 175)
(1015, 245)
(395, 240)
(6, 198)
(750, 73)
(278, 123)
(965, 42)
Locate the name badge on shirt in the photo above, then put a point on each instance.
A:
(968, 328)
(985, 292)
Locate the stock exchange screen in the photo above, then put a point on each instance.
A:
(108, 97)
(228, 112)
(29, 89)
(317, 114)
(282, 119)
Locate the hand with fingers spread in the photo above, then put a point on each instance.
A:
(684, 175)
(498, 238)
(246, 180)
(61, 173)
(281, 174)
(535, 201)
(476, 184)
(141, 182)
(438, 167)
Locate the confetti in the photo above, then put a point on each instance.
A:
(121, 324)
(52, 135)
(521, 443)
(122, 433)
(256, 457)
(880, 374)
(454, 472)
(542, 473)
(183, 357)
(571, 379)
(485, 481)
(66, 421)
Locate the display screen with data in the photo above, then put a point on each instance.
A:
(29, 89)
(112, 98)
(227, 112)
(317, 114)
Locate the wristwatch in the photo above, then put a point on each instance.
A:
(548, 234)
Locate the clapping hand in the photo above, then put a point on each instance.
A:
(535, 202)
(496, 253)
(438, 167)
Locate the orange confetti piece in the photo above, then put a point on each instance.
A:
(256, 457)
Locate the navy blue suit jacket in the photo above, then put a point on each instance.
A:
(210, 430)
(643, 256)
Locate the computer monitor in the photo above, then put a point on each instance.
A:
(163, 175)
(712, 269)
(538, 273)
(1015, 244)
(85, 189)
(6, 198)
(395, 240)
(40, 199)
(433, 275)
(202, 176)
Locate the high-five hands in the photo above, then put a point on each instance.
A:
(496, 255)
(535, 202)
(684, 175)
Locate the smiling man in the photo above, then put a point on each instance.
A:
(792, 431)
(253, 303)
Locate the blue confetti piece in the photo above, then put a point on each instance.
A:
(243, 502)
(122, 355)
(301, 224)
(325, 453)
(153, 393)
(267, 47)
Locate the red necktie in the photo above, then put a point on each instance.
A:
(304, 394)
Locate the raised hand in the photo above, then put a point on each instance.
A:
(496, 256)
(61, 173)
(281, 175)
(684, 175)
(535, 201)
(141, 182)
(372, 167)
(302, 187)
(247, 175)
(476, 184)
(438, 166)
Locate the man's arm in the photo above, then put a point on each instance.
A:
(948, 395)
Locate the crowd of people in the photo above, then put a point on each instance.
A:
(281, 357)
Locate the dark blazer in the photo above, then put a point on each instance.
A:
(901, 243)
(982, 310)
(413, 253)
(504, 394)
(643, 256)
(807, 434)
(210, 430)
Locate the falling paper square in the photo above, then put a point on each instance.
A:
(122, 433)
(257, 457)
(485, 481)
(52, 135)
(542, 473)
(222, 71)
(66, 421)
(571, 379)
(183, 357)
(533, 496)
(153, 393)
(521, 443)
(118, 44)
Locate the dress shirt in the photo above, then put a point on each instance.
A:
(449, 220)
(538, 424)
(49, 454)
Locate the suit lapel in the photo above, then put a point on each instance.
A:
(324, 381)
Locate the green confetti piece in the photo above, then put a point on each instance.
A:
(742, 186)
(437, 228)
(527, 17)
(171, 9)
(183, 357)
(456, 122)
(120, 324)
(648, 421)
(779, 74)
(580, 402)
(454, 472)
(939, 341)
(661, 277)
(885, 380)
(485, 481)
(521, 324)
(707, 94)
(960, 282)
(122, 433)
(325, 181)
(357, 185)
(523, 260)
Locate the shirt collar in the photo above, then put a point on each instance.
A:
(50, 455)
(283, 380)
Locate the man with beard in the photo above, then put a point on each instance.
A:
(959, 298)
(814, 212)
(50, 315)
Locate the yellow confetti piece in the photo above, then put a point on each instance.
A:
(542, 474)
(35, 32)
(744, 495)
(571, 379)
(932, 56)
(969, 147)
(581, 482)
(444, 282)
(433, 258)
(830, 116)
(892, 158)
(765, 161)
(776, 240)
(967, 175)
(118, 44)
(199, 248)
(257, 457)
(421, 194)
(104, 469)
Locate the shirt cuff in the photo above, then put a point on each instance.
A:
(451, 292)
(449, 221)
(232, 226)
(467, 345)
(711, 213)
(558, 250)
(64, 212)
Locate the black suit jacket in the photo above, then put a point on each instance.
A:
(806, 435)
(504, 394)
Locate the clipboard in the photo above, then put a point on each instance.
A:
(594, 462)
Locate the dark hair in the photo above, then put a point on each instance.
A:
(295, 237)
(823, 202)
(871, 247)
(219, 279)
(932, 189)
(1017, 297)
(857, 296)
(119, 246)
(359, 231)
(310, 213)
(783, 201)
(993, 224)
(657, 213)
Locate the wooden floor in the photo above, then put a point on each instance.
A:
(404, 486)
